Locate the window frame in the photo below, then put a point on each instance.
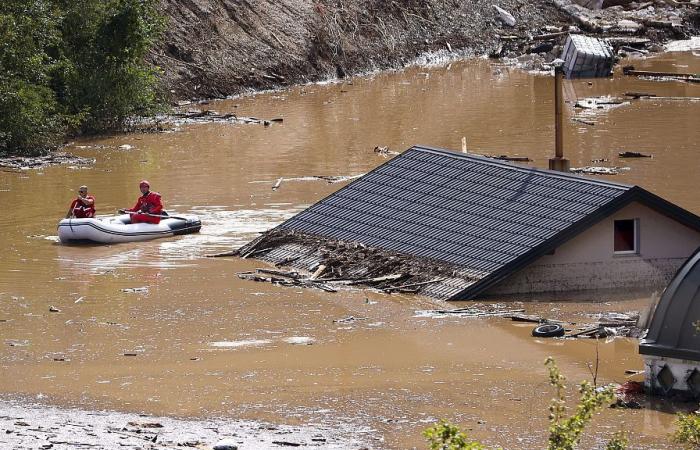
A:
(635, 237)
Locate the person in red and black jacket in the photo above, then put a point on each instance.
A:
(148, 207)
(83, 206)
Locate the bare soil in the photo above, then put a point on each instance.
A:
(218, 48)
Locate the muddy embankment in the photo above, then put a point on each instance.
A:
(216, 48)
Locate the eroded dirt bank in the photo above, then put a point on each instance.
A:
(215, 48)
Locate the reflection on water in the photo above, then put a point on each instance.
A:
(158, 327)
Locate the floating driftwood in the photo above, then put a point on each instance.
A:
(690, 77)
(526, 318)
(637, 95)
(583, 121)
(221, 255)
(330, 179)
(633, 155)
(284, 279)
(509, 158)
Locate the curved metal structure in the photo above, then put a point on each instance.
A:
(675, 327)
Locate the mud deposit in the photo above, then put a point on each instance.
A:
(216, 48)
(158, 328)
(45, 427)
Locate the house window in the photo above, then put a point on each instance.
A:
(626, 234)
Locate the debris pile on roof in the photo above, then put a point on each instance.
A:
(327, 264)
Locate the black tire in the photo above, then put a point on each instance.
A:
(548, 330)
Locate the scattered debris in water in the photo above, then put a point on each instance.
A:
(384, 151)
(243, 343)
(609, 325)
(603, 102)
(299, 340)
(597, 170)
(349, 319)
(40, 162)
(471, 311)
(330, 179)
(210, 116)
(135, 290)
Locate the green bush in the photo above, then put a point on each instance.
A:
(565, 432)
(109, 81)
(445, 436)
(71, 66)
(29, 111)
(688, 431)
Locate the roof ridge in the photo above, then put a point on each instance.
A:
(491, 161)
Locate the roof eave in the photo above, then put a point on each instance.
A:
(635, 193)
(666, 208)
(652, 349)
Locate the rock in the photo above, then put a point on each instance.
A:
(506, 17)
(590, 4)
(226, 444)
(54, 309)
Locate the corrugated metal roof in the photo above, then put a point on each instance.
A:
(486, 216)
(674, 330)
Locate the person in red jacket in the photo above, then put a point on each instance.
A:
(83, 206)
(148, 207)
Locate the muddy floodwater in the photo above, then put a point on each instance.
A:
(158, 328)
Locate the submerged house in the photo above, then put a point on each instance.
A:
(671, 348)
(497, 228)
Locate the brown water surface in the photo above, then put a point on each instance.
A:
(210, 345)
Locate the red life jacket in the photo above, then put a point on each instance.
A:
(82, 211)
(148, 203)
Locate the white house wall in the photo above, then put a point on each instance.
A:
(588, 261)
(680, 368)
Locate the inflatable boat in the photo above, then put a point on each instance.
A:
(114, 229)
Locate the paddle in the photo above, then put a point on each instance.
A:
(154, 215)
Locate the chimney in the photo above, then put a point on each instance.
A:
(558, 162)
